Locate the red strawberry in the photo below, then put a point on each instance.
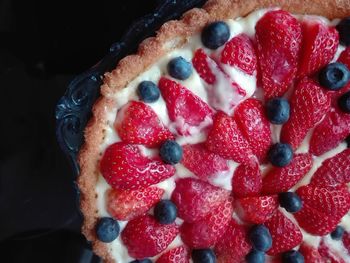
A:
(278, 37)
(329, 255)
(124, 167)
(254, 125)
(175, 255)
(285, 234)
(282, 179)
(239, 52)
(333, 129)
(333, 171)
(201, 63)
(195, 199)
(184, 107)
(202, 162)
(226, 140)
(257, 210)
(246, 180)
(346, 241)
(345, 57)
(234, 245)
(309, 103)
(137, 123)
(204, 233)
(320, 42)
(127, 205)
(310, 253)
(145, 237)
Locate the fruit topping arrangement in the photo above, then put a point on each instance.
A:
(277, 150)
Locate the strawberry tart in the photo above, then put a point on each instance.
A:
(225, 139)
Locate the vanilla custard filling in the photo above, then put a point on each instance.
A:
(194, 83)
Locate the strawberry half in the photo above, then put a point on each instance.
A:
(124, 167)
(137, 123)
(246, 180)
(278, 37)
(201, 63)
(310, 253)
(346, 241)
(282, 179)
(175, 255)
(145, 237)
(127, 205)
(329, 255)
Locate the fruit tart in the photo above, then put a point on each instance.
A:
(225, 139)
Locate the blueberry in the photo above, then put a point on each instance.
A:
(334, 76)
(179, 68)
(146, 260)
(348, 141)
(344, 102)
(344, 31)
(215, 35)
(290, 201)
(255, 256)
(280, 154)
(292, 256)
(260, 238)
(165, 212)
(148, 91)
(107, 229)
(171, 152)
(277, 110)
(203, 256)
(337, 233)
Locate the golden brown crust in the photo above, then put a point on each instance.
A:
(171, 35)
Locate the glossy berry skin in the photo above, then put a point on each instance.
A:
(171, 152)
(344, 31)
(179, 68)
(107, 229)
(344, 102)
(292, 256)
(203, 256)
(334, 76)
(148, 91)
(141, 261)
(215, 35)
(260, 238)
(280, 154)
(255, 256)
(338, 233)
(277, 110)
(290, 201)
(165, 212)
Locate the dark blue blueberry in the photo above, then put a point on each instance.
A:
(107, 229)
(165, 212)
(255, 256)
(348, 141)
(280, 154)
(148, 91)
(277, 110)
(260, 237)
(171, 152)
(337, 233)
(344, 31)
(334, 76)
(141, 261)
(179, 68)
(290, 201)
(344, 102)
(292, 256)
(215, 35)
(203, 256)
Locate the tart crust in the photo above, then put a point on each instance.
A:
(171, 35)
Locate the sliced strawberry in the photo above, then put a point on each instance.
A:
(145, 237)
(309, 103)
(246, 180)
(310, 253)
(234, 245)
(282, 179)
(175, 255)
(345, 57)
(239, 52)
(278, 37)
(285, 234)
(203, 163)
(137, 123)
(333, 171)
(124, 167)
(257, 210)
(329, 255)
(346, 241)
(127, 205)
(226, 140)
(206, 232)
(184, 108)
(194, 198)
(320, 42)
(251, 119)
(333, 129)
(201, 62)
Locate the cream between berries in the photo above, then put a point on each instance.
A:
(244, 86)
